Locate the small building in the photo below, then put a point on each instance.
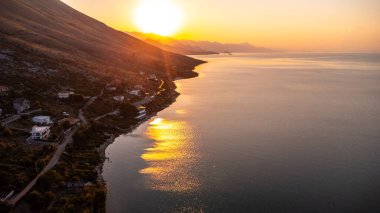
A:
(4, 90)
(141, 109)
(40, 132)
(142, 112)
(119, 98)
(65, 114)
(42, 120)
(21, 104)
(135, 92)
(64, 95)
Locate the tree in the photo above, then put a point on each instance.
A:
(128, 110)
(81, 137)
(35, 198)
(5, 207)
(37, 104)
(50, 179)
(49, 196)
(66, 124)
(7, 132)
(34, 195)
(76, 98)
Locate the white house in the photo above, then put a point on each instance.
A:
(42, 120)
(40, 132)
(135, 92)
(21, 104)
(119, 98)
(64, 95)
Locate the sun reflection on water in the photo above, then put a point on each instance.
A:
(172, 158)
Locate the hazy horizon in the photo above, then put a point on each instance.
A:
(292, 25)
(95, 120)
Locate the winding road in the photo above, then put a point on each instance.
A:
(53, 161)
(57, 154)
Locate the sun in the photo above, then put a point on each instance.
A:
(161, 17)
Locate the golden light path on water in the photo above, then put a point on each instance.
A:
(172, 158)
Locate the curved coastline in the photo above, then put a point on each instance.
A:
(168, 101)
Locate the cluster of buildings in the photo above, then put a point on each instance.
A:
(41, 129)
(42, 124)
(136, 91)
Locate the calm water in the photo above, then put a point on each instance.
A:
(258, 133)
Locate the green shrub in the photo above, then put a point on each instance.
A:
(76, 98)
(49, 196)
(50, 179)
(66, 124)
(5, 207)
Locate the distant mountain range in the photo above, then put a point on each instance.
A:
(189, 47)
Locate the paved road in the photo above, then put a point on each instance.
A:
(80, 113)
(13, 118)
(82, 117)
(57, 155)
(9, 120)
(89, 102)
(116, 112)
(53, 161)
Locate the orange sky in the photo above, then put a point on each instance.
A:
(296, 25)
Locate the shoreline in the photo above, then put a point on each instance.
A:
(172, 97)
(102, 149)
(103, 134)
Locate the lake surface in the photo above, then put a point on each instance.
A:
(258, 133)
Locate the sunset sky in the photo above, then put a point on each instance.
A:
(296, 25)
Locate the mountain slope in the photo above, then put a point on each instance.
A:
(189, 47)
(49, 31)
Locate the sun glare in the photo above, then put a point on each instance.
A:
(161, 17)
